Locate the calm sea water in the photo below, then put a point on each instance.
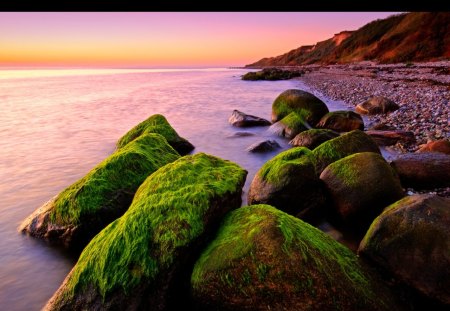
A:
(55, 125)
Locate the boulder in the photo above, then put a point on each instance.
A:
(157, 124)
(341, 121)
(442, 145)
(301, 102)
(411, 239)
(376, 105)
(79, 212)
(240, 134)
(313, 138)
(391, 137)
(264, 259)
(241, 119)
(361, 186)
(143, 260)
(263, 146)
(342, 146)
(424, 170)
(289, 126)
(290, 183)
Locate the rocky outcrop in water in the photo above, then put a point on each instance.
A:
(241, 119)
(272, 74)
(263, 146)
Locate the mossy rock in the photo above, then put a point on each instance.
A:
(301, 102)
(290, 125)
(313, 138)
(265, 259)
(361, 186)
(290, 183)
(141, 260)
(342, 146)
(272, 74)
(341, 121)
(157, 123)
(411, 239)
(78, 213)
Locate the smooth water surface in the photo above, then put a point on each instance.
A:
(56, 126)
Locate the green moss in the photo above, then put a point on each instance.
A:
(278, 166)
(318, 258)
(120, 173)
(155, 124)
(296, 121)
(342, 146)
(167, 214)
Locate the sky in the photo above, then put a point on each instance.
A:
(158, 40)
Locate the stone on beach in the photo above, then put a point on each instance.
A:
(341, 121)
(377, 105)
(79, 212)
(313, 138)
(142, 260)
(240, 119)
(391, 137)
(442, 145)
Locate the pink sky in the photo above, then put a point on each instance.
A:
(163, 39)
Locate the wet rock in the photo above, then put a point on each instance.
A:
(341, 121)
(264, 259)
(263, 146)
(442, 145)
(142, 260)
(240, 134)
(305, 104)
(411, 239)
(289, 126)
(424, 170)
(290, 183)
(84, 208)
(241, 119)
(157, 124)
(376, 105)
(272, 74)
(312, 138)
(391, 137)
(361, 186)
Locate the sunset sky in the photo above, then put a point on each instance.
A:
(124, 40)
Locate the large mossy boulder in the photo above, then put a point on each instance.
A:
(142, 260)
(264, 259)
(411, 239)
(301, 102)
(158, 124)
(290, 126)
(290, 183)
(423, 170)
(342, 146)
(341, 121)
(313, 138)
(78, 213)
(361, 186)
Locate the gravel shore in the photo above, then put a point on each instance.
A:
(421, 90)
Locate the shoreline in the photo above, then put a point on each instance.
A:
(421, 90)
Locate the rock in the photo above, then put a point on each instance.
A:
(142, 260)
(272, 74)
(241, 119)
(289, 126)
(411, 239)
(361, 186)
(303, 103)
(442, 145)
(342, 146)
(391, 137)
(240, 134)
(157, 124)
(79, 212)
(341, 121)
(424, 170)
(263, 146)
(377, 105)
(290, 183)
(264, 259)
(313, 138)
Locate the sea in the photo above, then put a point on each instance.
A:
(56, 125)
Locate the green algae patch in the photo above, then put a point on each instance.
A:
(157, 124)
(83, 209)
(301, 102)
(263, 258)
(342, 146)
(138, 259)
